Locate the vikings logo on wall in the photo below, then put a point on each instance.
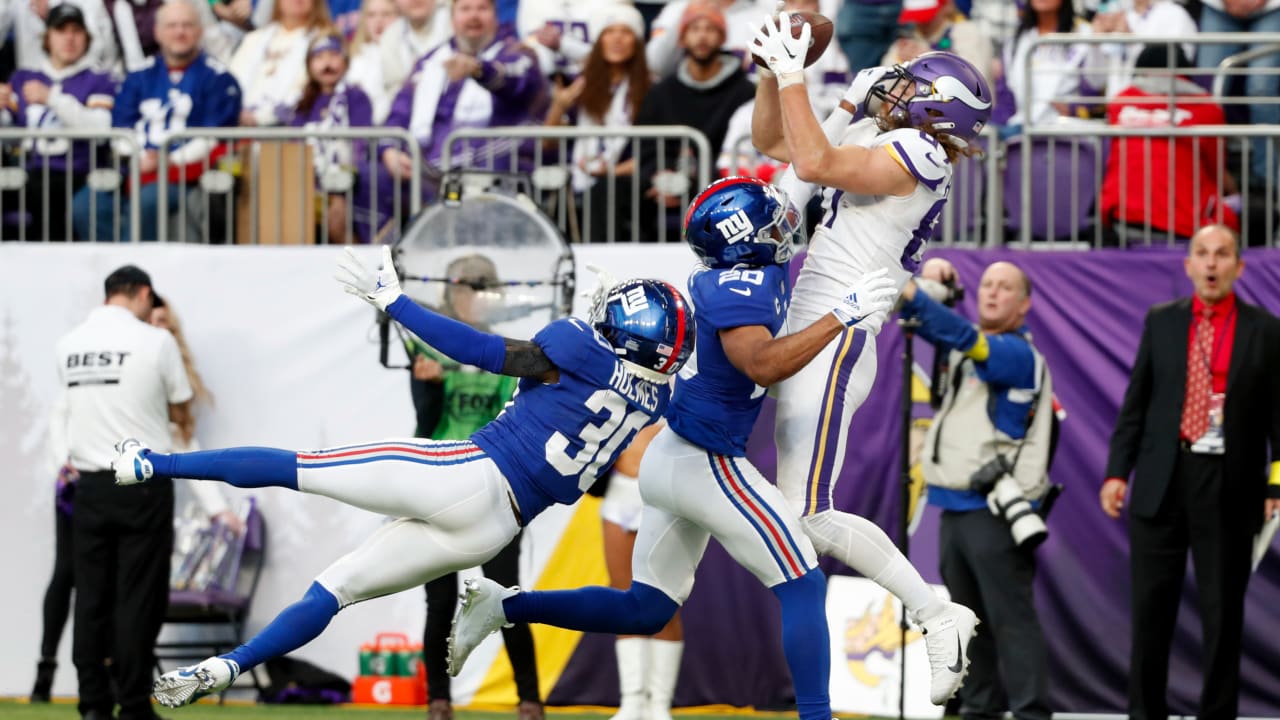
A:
(866, 652)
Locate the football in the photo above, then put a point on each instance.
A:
(820, 32)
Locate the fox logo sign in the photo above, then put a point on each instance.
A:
(735, 227)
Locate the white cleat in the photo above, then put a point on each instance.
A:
(946, 638)
(188, 684)
(479, 616)
(131, 464)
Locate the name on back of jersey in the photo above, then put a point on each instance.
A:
(640, 392)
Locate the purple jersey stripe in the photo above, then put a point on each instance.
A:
(905, 159)
(827, 438)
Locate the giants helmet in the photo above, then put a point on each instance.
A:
(649, 325)
(951, 97)
(741, 220)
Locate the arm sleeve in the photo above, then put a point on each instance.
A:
(456, 339)
(1123, 453)
(1010, 362)
(939, 325)
(513, 77)
(75, 114)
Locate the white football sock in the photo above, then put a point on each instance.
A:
(664, 671)
(633, 668)
(863, 546)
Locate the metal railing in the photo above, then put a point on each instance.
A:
(31, 148)
(548, 150)
(1257, 215)
(1042, 189)
(223, 174)
(1220, 74)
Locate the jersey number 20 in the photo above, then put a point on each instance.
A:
(610, 432)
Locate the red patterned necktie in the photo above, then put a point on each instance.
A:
(1195, 406)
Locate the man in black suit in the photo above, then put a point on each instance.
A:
(1203, 404)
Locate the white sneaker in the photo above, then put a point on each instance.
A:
(946, 638)
(131, 464)
(479, 616)
(188, 684)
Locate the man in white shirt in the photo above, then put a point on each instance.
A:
(121, 377)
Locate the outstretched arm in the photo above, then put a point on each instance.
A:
(458, 340)
(754, 351)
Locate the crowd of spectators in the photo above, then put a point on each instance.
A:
(432, 66)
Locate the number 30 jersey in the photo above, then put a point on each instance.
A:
(554, 439)
(715, 404)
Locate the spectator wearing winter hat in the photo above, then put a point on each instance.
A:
(329, 102)
(735, 18)
(708, 86)
(62, 90)
(614, 81)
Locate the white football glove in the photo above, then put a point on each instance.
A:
(598, 295)
(379, 288)
(773, 44)
(868, 301)
(861, 86)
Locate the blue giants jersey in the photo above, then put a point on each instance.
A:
(553, 440)
(715, 405)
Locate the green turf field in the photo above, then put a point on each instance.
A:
(11, 710)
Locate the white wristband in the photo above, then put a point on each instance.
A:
(789, 79)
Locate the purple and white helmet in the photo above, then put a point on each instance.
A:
(951, 96)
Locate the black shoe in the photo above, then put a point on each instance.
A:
(97, 715)
(44, 681)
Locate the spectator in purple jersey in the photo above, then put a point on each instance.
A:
(329, 102)
(479, 78)
(61, 91)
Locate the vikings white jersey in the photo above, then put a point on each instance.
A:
(860, 233)
(554, 439)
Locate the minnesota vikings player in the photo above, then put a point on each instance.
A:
(695, 479)
(584, 390)
(885, 179)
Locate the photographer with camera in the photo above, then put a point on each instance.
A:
(986, 459)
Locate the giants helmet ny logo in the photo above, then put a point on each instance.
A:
(634, 300)
(735, 227)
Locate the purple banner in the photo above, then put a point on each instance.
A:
(1086, 318)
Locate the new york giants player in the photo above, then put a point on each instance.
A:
(694, 478)
(886, 180)
(584, 390)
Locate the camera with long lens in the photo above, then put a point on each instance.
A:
(1004, 495)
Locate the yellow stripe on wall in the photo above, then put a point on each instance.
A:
(578, 560)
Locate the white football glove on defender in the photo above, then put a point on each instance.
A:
(861, 86)
(868, 302)
(598, 295)
(783, 53)
(378, 288)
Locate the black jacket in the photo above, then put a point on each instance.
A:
(1145, 440)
